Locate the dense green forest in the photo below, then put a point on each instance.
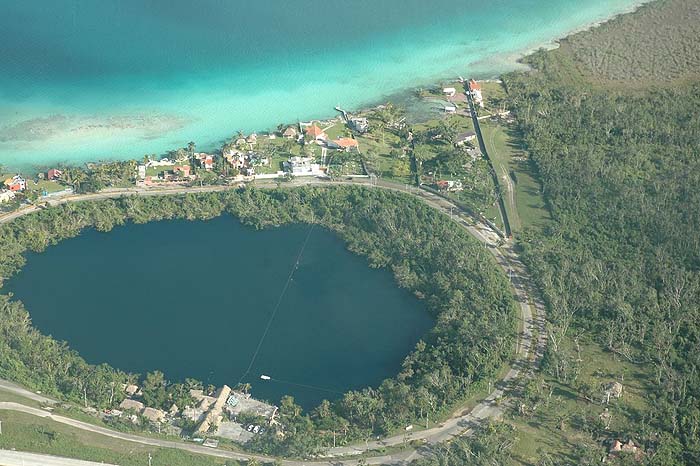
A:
(456, 277)
(619, 264)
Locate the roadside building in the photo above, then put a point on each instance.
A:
(6, 195)
(450, 109)
(302, 166)
(182, 171)
(464, 138)
(449, 91)
(449, 185)
(475, 90)
(153, 414)
(142, 172)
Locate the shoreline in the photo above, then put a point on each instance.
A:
(406, 95)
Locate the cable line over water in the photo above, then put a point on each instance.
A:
(277, 306)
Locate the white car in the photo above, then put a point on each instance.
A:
(256, 429)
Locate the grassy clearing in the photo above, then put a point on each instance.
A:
(24, 432)
(521, 191)
(566, 420)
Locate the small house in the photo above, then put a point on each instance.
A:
(449, 91)
(131, 389)
(205, 161)
(153, 414)
(182, 171)
(361, 125)
(347, 144)
(290, 133)
(16, 183)
(53, 174)
(465, 137)
(475, 90)
(128, 403)
(449, 185)
(6, 195)
(315, 133)
(450, 109)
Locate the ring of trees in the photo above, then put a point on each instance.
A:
(471, 301)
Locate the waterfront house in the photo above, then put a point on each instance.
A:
(165, 162)
(347, 144)
(53, 174)
(16, 183)
(141, 172)
(252, 139)
(449, 91)
(361, 125)
(465, 137)
(205, 161)
(128, 403)
(316, 133)
(131, 389)
(6, 195)
(290, 133)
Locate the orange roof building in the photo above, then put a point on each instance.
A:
(347, 143)
(474, 86)
(315, 132)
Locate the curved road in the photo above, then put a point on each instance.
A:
(530, 346)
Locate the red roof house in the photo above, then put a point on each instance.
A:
(54, 174)
(474, 86)
(347, 144)
(16, 183)
(315, 132)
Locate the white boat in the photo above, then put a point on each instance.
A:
(265, 377)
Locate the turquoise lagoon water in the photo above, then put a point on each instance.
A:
(115, 79)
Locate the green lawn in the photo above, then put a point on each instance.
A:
(24, 432)
(521, 191)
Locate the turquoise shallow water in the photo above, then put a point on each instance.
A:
(105, 79)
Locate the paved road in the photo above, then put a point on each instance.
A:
(16, 458)
(460, 423)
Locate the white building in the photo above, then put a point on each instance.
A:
(6, 195)
(302, 166)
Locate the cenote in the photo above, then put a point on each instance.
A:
(193, 299)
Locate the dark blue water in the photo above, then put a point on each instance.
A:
(192, 299)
